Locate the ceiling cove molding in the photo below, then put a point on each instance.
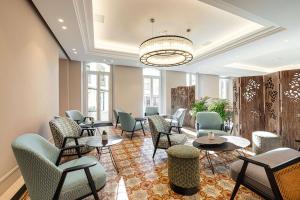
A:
(251, 37)
(84, 14)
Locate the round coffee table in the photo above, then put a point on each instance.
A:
(99, 144)
(231, 143)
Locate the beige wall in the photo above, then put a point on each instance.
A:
(128, 89)
(208, 85)
(70, 86)
(28, 81)
(173, 79)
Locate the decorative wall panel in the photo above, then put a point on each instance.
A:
(272, 102)
(236, 106)
(183, 97)
(251, 117)
(290, 85)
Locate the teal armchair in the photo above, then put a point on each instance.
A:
(150, 110)
(80, 119)
(177, 119)
(162, 137)
(130, 124)
(116, 115)
(66, 133)
(44, 176)
(209, 122)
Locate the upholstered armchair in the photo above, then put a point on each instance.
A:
(80, 119)
(209, 122)
(162, 137)
(150, 110)
(177, 119)
(47, 179)
(116, 115)
(129, 123)
(274, 174)
(67, 132)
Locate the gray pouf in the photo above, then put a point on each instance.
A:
(183, 169)
(263, 141)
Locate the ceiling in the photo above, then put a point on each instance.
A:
(231, 37)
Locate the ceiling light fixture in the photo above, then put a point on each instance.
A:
(166, 50)
(64, 27)
(60, 20)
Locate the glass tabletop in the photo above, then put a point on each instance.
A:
(232, 143)
(96, 141)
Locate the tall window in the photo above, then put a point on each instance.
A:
(223, 88)
(98, 91)
(151, 87)
(190, 79)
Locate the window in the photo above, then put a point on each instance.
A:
(98, 91)
(151, 87)
(223, 88)
(190, 79)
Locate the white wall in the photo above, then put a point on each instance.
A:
(208, 85)
(128, 89)
(28, 81)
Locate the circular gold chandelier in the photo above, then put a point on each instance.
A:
(166, 51)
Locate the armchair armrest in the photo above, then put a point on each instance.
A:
(79, 167)
(90, 118)
(249, 160)
(286, 164)
(86, 169)
(76, 147)
(77, 121)
(165, 133)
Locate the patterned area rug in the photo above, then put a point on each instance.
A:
(141, 177)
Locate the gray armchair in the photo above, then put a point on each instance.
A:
(130, 124)
(274, 175)
(162, 137)
(151, 110)
(209, 122)
(46, 179)
(67, 133)
(177, 119)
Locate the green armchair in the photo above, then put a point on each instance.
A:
(162, 137)
(66, 133)
(209, 122)
(116, 115)
(151, 110)
(130, 124)
(177, 119)
(46, 179)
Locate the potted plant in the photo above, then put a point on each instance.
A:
(199, 106)
(221, 106)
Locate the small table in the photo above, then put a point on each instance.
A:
(99, 144)
(231, 143)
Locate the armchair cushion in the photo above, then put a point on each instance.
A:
(81, 141)
(256, 175)
(75, 115)
(209, 120)
(175, 139)
(76, 182)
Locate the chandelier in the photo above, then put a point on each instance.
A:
(166, 50)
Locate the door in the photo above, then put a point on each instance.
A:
(98, 95)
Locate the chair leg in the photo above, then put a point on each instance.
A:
(122, 132)
(117, 122)
(156, 145)
(91, 183)
(179, 129)
(143, 128)
(132, 135)
(154, 152)
(235, 190)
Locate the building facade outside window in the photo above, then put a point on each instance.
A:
(152, 87)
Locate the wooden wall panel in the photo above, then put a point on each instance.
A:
(183, 97)
(251, 105)
(272, 103)
(290, 103)
(236, 106)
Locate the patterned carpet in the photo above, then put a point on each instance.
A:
(141, 177)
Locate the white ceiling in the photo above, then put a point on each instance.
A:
(231, 37)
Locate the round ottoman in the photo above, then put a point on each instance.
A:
(183, 169)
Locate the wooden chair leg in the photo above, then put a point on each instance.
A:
(156, 145)
(91, 183)
(122, 132)
(235, 190)
(154, 152)
(179, 129)
(132, 135)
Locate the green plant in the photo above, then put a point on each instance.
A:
(221, 106)
(199, 106)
